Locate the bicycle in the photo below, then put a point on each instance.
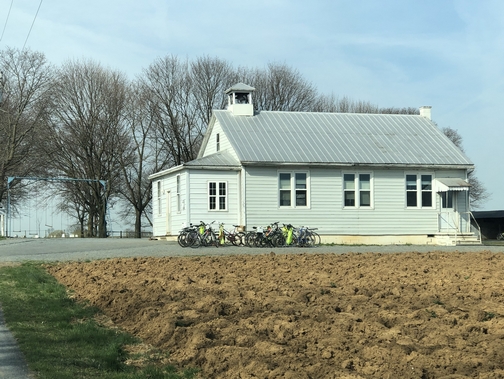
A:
(271, 236)
(207, 236)
(188, 235)
(234, 238)
(198, 235)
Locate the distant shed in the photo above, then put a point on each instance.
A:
(490, 222)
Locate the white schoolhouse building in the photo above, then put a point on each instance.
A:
(358, 178)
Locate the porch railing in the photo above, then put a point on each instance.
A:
(459, 223)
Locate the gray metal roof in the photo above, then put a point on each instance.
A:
(453, 184)
(220, 159)
(240, 87)
(339, 138)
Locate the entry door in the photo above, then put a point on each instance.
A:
(168, 213)
(449, 219)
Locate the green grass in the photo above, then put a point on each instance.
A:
(60, 338)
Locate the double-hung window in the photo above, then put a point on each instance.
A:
(419, 190)
(293, 189)
(217, 196)
(357, 190)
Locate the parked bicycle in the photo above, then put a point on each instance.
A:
(198, 235)
(234, 237)
(188, 235)
(270, 236)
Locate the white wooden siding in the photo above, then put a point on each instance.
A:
(388, 216)
(159, 220)
(224, 143)
(169, 184)
(178, 217)
(194, 200)
(198, 206)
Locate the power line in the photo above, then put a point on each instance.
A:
(34, 18)
(6, 20)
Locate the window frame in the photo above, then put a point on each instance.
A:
(217, 142)
(177, 191)
(159, 193)
(357, 189)
(217, 196)
(447, 200)
(419, 190)
(295, 191)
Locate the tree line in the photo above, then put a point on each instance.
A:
(82, 120)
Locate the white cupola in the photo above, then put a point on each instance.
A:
(240, 100)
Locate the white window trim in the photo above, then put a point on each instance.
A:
(293, 189)
(178, 181)
(217, 196)
(158, 195)
(419, 190)
(357, 189)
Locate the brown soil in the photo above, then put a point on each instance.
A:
(411, 315)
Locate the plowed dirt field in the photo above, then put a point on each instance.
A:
(410, 315)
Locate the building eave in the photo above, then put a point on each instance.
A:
(356, 164)
(166, 172)
(215, 168)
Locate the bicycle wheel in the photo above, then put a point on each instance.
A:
(259, 240)
(317, 241)
(278, 240)
(309, 240)
(210, 239)
(305, 239)
(249, 239)
(241, 236)
(235, 238)
(181, 239)
(193, 239)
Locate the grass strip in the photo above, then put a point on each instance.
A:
(60, 338)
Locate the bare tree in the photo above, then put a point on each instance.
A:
(280, 88)
(478, 193)
(175, 114)
(142, 158)
(211, 77)
(88, 135)
(24, 100)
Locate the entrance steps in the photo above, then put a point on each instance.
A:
(464, 239)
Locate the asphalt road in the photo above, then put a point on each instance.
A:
(69, 249)
(12, 364)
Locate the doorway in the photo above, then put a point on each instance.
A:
(448, 217)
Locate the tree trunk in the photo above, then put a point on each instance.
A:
(138, 223)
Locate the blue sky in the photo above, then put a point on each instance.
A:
(392, 53)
